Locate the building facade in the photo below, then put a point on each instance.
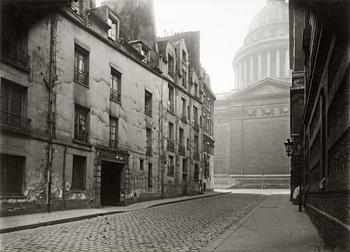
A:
(320, 107)
(252, 122)
(83, 111)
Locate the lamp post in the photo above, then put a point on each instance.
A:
(293, 150)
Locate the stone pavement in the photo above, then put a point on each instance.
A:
(19, 222)
(182, 226)
(274, 225)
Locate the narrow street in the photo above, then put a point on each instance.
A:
(183, 226)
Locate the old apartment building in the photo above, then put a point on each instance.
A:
(320, 95)
(91, 117)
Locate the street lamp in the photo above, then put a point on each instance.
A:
(293, 149)
(289, 147)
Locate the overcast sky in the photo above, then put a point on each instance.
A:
(223, 25)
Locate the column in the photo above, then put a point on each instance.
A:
(287, 63)
(268, 64)
(236, 77)
(239, 74)
(251, 69)
(245, 75)
(259, 66)
(278, 63)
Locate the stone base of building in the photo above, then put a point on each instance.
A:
(329, 213)
(252, 181)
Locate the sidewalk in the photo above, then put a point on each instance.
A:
(20, 222)
(274, 225)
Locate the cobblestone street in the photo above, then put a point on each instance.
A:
(183, 226)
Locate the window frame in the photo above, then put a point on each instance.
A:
(148, 103)
(76, 186)
(5, 181)
(115, 93)
(80, 51)
(113, 143)
(78, 110)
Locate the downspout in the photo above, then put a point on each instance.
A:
(64, 178)
(50, 86)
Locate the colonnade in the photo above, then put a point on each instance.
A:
(256, 66)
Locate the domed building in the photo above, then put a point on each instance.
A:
(265, 52)
(252, 121)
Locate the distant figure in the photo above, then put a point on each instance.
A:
(296, 195)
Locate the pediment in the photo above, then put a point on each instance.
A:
(265, 87)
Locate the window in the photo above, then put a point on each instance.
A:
(184, 166)
(171, 166)
(170, 65)
(81, 124)
(13, 105)
(170, 141)
(116, 79)
(149, 141)
(196, 173)
(148, 103)
(188, 144)
(196, 90)
(195, 115)
(184, 79)
(78, 174)
(81, 66)
(188, 113)
(141, 164)
(171, 131)
(149, 175)
(171, 101)
(184, 56)
(113, 132)
(11, 175)
(184, 107)
(196, 143)
(181, 136)
(113, 31)
(14, 45)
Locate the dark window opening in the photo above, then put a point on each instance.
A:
(81, 124)
(11, 175)
(148, 103)
(78, 174)
(13, 100)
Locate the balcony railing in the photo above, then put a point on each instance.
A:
(115, 95)
(17, 58)
(81, 77)
(149, 151)
(182, 150)
(15, 120)
(170, 146)
(196, 156)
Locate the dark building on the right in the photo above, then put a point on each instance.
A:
(320, 115)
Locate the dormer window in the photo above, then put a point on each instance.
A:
(113, 31)
(184, 56)
(77, 6)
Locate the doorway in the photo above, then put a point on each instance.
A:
(110, 183)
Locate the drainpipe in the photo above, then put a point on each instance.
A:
(50, 86)
(64, 177)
